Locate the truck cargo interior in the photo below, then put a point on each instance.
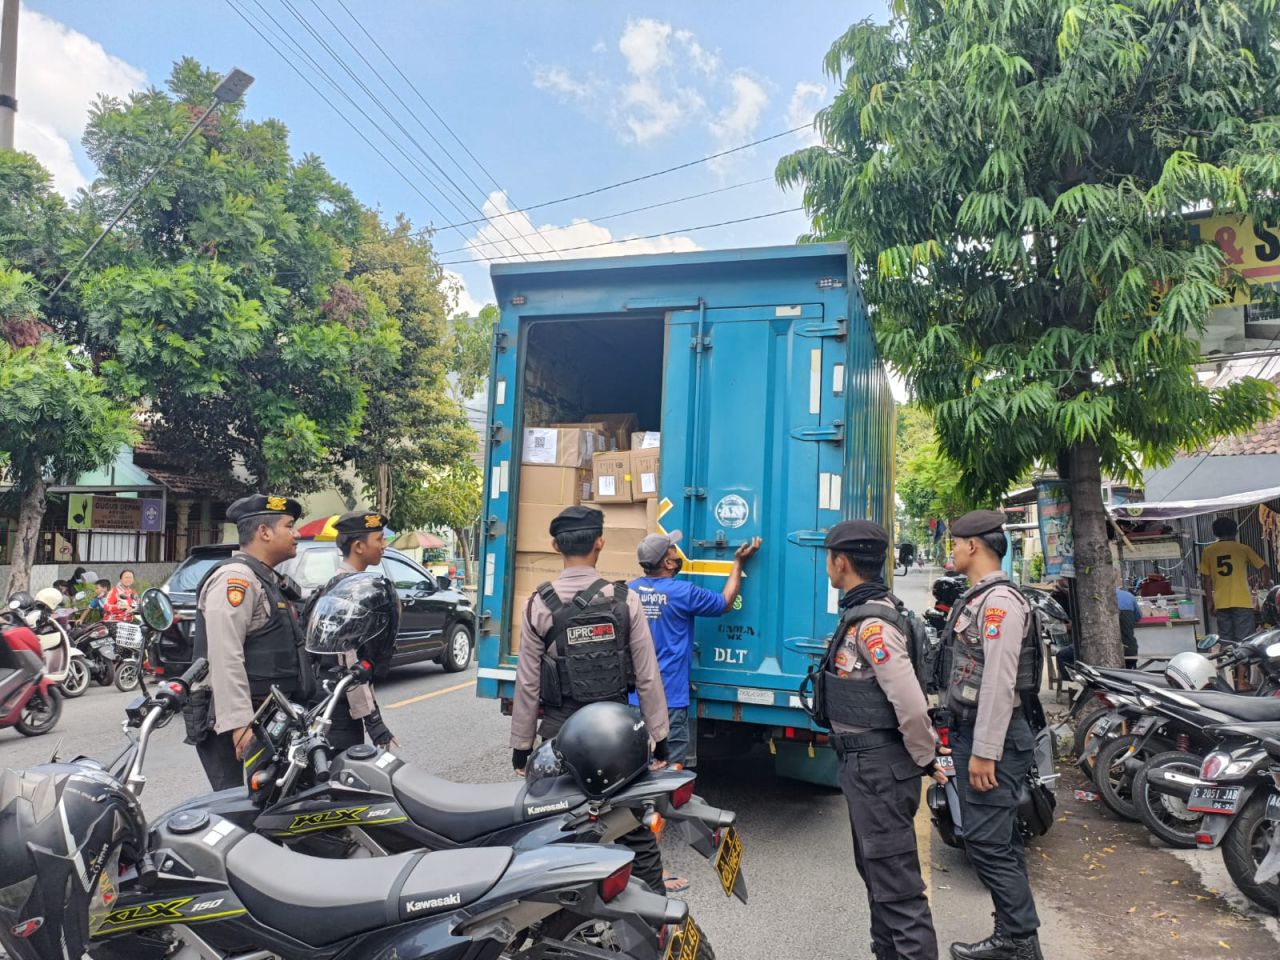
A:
(579, 367)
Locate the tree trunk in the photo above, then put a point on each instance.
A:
(1097, 621)
(27, 536)
(463, 538)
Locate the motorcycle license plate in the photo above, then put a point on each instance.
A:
(1273, 807)
(1144, 725)
(684, 943)
(728, 860)
(1214, 799)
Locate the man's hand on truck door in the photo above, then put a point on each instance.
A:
(747, 550)
(733, 586)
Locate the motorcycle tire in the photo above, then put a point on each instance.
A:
(77, 679)
(1167, 816)
(128, 675)
(574, 928)
(1118, 763)
(106, 675)
(1243, 848)
(48, 708)
(1083, 736)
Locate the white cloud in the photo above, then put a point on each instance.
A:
(650, 113)
(60, 73)
(600, 47)
(806, 99)
(559, 80)
(705, 60)
(738, 121)
(646, 45)
(491, 240)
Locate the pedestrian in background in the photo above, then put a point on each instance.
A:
(1224, 569)
(121, 599)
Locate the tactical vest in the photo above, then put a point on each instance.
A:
(272, 653)
(852, 701)
(967, 655)
(588, 652)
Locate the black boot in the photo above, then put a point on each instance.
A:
(1028, 948)
(883, 953)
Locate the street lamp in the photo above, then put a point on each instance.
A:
(231, 88)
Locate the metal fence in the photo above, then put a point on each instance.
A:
(122, 546)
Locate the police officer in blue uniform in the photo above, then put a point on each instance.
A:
(995, 664)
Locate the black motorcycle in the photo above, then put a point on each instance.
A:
(85, 873)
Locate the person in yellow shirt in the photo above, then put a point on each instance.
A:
(1224, 567)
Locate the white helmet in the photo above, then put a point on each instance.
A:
(1190, 671)
(51, 597)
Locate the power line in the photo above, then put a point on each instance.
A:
(425, 102)
(377, 102)
(624, 213)
(651, 236)
(647, 176)
(261, 30)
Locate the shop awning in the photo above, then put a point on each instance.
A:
(1172, 509)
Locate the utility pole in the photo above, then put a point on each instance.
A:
(8, 72)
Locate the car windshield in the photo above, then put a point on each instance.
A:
(188, 576)
(314, 566)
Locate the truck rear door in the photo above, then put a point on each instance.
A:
(752, 446)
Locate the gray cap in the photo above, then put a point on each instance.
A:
(654, 547)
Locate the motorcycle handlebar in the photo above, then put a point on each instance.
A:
(198, 670)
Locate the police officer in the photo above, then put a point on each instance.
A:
(247, 628)
(561, 676)
(879, 719)
(995, 662)
(361, 541)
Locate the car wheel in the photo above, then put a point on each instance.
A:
(457, 654)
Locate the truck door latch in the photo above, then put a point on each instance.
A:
(494, 528)
(719, 543)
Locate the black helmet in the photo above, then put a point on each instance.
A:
(605, 746)
(22, 600)
(1271, 607)
(360, 613)
(948, 588)
(63, 827)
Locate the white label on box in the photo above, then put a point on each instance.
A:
(540, 445)
(608, 486)
(504, 481)
(651, 440)
(648, 483)
(815, 381)
(500, 394)
(762, 698)
(495, 483)
(490, 564)
(837, 379)
(787, 312)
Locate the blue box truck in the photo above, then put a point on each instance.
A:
(758, 368)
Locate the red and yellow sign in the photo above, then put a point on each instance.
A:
(1251, 248)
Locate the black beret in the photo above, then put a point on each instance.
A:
(977, 522)
(859, 537)
(261, 504)
(572, 519)
(360, 521)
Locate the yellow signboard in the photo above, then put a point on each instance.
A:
(1251, 248)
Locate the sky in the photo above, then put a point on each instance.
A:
(544, 99)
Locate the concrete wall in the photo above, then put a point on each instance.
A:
(43, 575)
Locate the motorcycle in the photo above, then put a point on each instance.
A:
(195, 886)
(29, 697)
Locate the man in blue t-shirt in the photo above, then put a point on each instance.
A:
(670, 606)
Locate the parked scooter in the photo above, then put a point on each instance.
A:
(29, 697)
(91, 875)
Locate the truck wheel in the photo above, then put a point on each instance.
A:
(1247, 842)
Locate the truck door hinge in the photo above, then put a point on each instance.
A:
(830, 432)
(486, 619)
(500, 339)
(700, 343)
(497, 433)
(698, 493)
(494, 528)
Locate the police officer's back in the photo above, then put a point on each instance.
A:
(585, 640)
(247, 628)
(995, 663)
(868, 693)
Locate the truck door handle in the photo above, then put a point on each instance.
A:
(807, 538)
(833, 432)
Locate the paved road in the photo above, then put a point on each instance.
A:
(803, 889)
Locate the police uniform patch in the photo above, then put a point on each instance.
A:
(236, 586)
(879, 652)
(373, 521)
(991, 621)
(842, 660)
(870, 632)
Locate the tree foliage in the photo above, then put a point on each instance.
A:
(928, 484)
(1012, 177)
(472, 350)
(227, 306)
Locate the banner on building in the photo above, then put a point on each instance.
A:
(117, 513)
(1053, 501)
(1251, 248)
(80, 511)
(152, 516)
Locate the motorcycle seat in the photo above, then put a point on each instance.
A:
(457, 811)
(1146, 676)
(320, 902)
(1240, 706)
(1255, 731)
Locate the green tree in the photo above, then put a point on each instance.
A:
(471, 351)
(412, 426)
(225, 304)
(928, 482)
(451, 498)
(57, 421)
(1012, 178)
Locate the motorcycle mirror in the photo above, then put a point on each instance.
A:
(157, 610)
(1207, 642)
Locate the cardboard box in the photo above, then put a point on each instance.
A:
(651, 516)
(601, 440)
(625, 525)
(611, 477)
(559, 446)
(564, 486)
(618, 565)
(619, 427)
(644, 474)
(649, 440)
(533, 523)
